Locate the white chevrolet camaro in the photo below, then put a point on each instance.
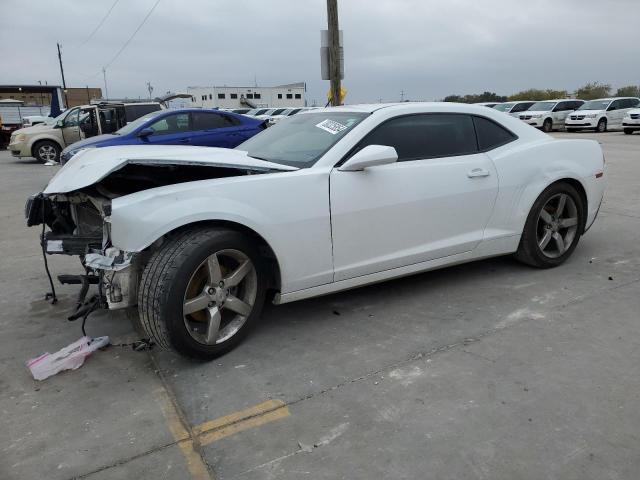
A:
(192, 240)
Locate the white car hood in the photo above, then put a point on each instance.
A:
(94, 164)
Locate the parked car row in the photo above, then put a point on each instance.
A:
(272, 115)
(573, 114)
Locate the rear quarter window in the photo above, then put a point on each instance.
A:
(490, 134)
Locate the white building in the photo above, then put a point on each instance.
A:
(290, 95)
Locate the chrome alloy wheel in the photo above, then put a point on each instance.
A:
(47, 152)
(557, 225)
(220, 296)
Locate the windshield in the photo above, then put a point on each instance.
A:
(595, 105)
(504, 107)
(542, 106)
(299, 141)
(130, 127)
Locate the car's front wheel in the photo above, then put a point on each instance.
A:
(602, 126)
(628, 131)
(201, 291)
(47, 151)
(547, 126)
(553, 227)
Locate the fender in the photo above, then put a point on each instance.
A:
(545, 162)
(289, 210)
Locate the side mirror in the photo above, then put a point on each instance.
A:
(59, 124)
(370, 156)
(145, 132)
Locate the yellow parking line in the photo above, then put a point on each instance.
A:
(251, 417)
(195, 464)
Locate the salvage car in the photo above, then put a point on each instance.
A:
(45, 141)
(192, 240)
(207, 128)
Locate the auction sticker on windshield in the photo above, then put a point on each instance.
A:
(331, 126)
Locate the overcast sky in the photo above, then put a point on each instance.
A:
(426, 48)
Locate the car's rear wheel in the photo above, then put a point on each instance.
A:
(47, 151)
(201, 292)
(547, 126)
(553, 228)
(602, 126)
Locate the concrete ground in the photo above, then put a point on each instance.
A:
(487, 370)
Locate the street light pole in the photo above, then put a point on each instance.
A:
(104, 76)
(334, 50)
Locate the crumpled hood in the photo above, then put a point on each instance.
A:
(94, 164)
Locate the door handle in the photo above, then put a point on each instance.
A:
(478, 172)
(184, 140)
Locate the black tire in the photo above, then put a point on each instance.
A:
(602, 125)
(528, 251)
(50, 146)
(547, 125)
(571, 130)
(628, 131)
(165, 279)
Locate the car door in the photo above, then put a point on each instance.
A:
(560, 112)
(71, 127)
(213, 129)
(615, 112)
(171, 129)
(434, 202)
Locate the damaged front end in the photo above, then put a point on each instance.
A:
(78, 225)
(75, 213)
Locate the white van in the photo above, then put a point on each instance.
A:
(514, 108)
(550, 114)
(601, 115)
(631, 121)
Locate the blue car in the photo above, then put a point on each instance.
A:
(205, 128)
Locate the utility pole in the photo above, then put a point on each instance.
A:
(64, 84)
(106, 90)
(334, 50)
(150, 88)
(402, 95)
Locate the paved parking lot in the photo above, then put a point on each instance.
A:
(487, 370)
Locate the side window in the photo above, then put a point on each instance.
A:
(209, 121)
(615, 105)
(521, 107)
(72, 119)
(133, 112)
(490, 134)
(634, 102)
(171, 124)
(425, 136)
(576, 105)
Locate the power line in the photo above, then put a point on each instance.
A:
(99, 24)
(133, 35)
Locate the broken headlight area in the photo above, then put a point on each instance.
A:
(75, 222)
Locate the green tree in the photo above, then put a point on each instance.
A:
(476, 98)
(537, 94)
(593, 90)
(628, 91)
